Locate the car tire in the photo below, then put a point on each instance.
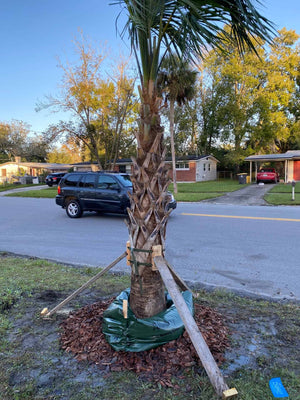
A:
(49, 184)
(257, 181)
(74, 209)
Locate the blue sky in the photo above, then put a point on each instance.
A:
(35, 32)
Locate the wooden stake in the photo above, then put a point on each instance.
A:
(181, 284)
(228, 394)
(208, 362)
(128, 256)
(156, 251)
(85, 285)
(125, 309)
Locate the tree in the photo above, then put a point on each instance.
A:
(13, 136)
(156, 28)
(122, 117)
(252, 102)
(67, 153)
(16, 139)
(176, 80)
(99, 108)
(282, 90)
(36, 149)
(236, 84)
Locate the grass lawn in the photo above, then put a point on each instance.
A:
(281, 194)
(205, 190)
(5, 187)
(33, 367)
(39, 193)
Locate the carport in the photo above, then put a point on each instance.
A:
(290, 160)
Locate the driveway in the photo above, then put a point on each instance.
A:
(251, 195)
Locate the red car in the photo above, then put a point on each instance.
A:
(267, 175)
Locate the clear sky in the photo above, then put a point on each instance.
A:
(35, 32)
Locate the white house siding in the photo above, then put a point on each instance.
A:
(7, 170)
(10, 169)
(206, 170)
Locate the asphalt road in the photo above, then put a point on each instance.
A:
(250, 249)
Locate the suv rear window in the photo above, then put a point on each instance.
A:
(71, 180)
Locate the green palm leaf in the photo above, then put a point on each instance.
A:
(189, 27)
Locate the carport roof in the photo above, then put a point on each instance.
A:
(289, 155)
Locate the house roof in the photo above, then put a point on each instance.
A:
(180, 158)
(289, 155)
(58, 167)
(52, 166)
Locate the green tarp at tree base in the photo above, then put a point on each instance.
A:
(136, 334)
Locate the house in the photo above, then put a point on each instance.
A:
(13, 169)
(288, 164)
(195, 168)
(188, 168)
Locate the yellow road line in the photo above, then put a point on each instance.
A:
(242, 217)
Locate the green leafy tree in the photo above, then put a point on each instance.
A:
(13, 136)
(282, 91)
(237, 88)
(157, 28)
(252, 103)
(16, 139)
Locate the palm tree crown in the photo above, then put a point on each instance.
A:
(188, 27)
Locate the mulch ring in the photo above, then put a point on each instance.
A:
(82, 335)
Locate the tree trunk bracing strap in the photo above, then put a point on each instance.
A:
(134, 260)
(136, 263)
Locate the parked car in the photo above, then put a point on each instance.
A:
(97, 191)
(54, 179)
(267, 175)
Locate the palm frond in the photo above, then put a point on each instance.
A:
(190, 27)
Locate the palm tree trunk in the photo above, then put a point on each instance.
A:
(172, 117)
(148, 214)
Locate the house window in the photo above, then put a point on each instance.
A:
(182, 165)
(3, 172)
(208, 167)
(122, 168)
(204, 167)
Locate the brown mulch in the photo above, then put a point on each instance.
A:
(82, 335)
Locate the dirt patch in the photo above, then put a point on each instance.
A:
(263, 337)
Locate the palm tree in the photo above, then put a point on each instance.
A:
(156, 28)
(176, 80)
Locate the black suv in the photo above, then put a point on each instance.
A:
(54, 179)
(96, 191)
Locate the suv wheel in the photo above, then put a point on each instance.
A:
(74, 209)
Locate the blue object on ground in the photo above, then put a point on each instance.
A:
(277, 388)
